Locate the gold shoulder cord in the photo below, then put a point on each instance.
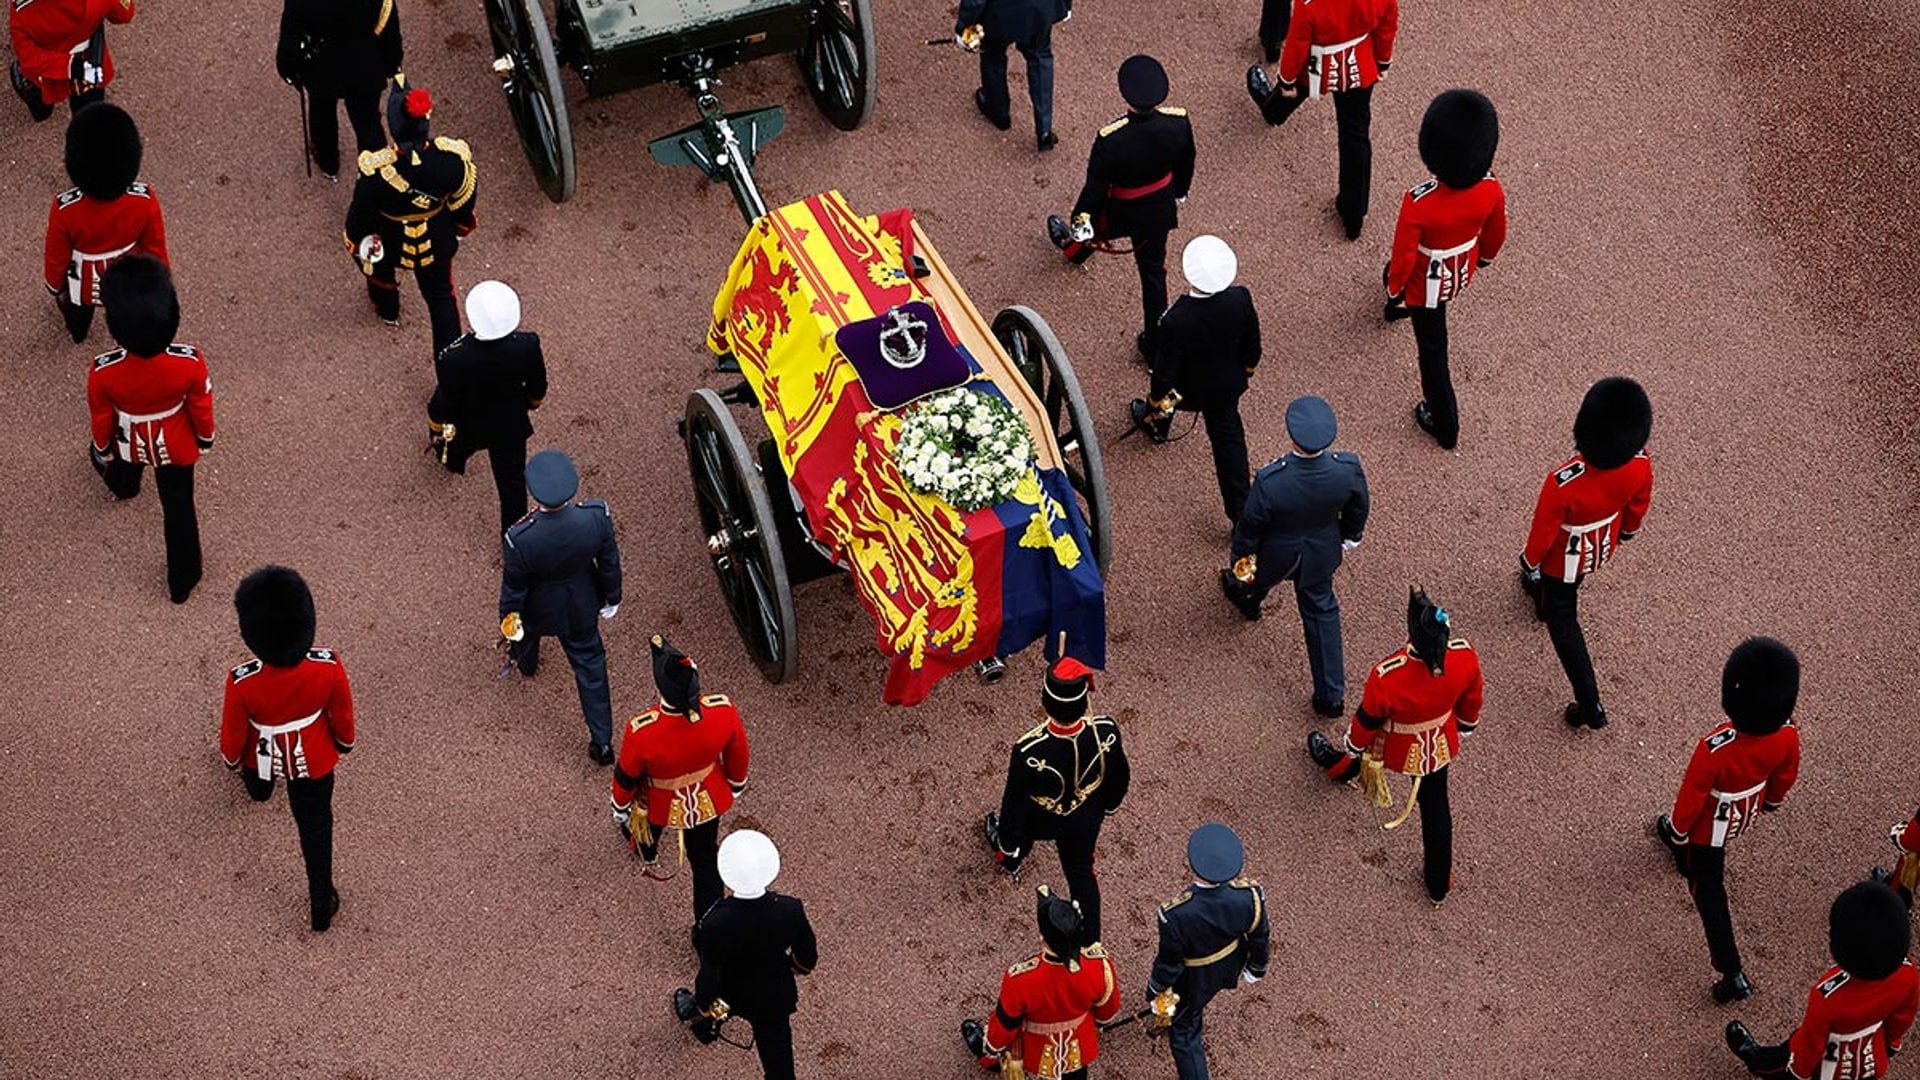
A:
(386, 12)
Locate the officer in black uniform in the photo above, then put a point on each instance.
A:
(1065, 777)
(751, 945)
(488, 381)
(1026, 25)
(560, 573)
(1212, 936)
(340, 51)
(1207, 348)
(1137, 175)
(1307, 509)
(413, 202)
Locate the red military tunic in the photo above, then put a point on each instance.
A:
(1583, 513)
(298, 719)
(1907, 836)
(1411, 719)
(48, 33)
(1851, 1025)
(1055, 1011)
(157, 409)
(85, 235)
(693, 765)
(1731, 776)
(1443, 236)
(1348, 41)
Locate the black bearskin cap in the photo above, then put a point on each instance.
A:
(276, 615)
(143, 311)
(1062, 926)
(676, 676)
(1458, 137)
(1867, 930)
(1068, 683)
(408, 109)
(1614, 422)
(1759, 685)
(1429, 628)
(103, 150)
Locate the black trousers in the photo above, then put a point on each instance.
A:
(1706, 869)
(78, 317)
(1078, 837)
(1436, 832)
(587, 655)
(993, 79)
(1228, 436)
(1275, 17)
(436, 288)
(703, 860)
(1769, 1060)
(36, 103)
(508, 460)
(773, 1041)
(179, 522)
(1436, 380)
(312, 805)
(323, 122)
(1353, 114)
(1560, 607)
(1150, 259)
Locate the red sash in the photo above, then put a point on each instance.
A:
(1115, 191)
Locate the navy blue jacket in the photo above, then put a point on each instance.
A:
(1208, 935)
(559, 568)
(1018, 21)
(1298, 512)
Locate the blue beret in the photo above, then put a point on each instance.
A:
(1215, 853)
(551, 478)
(1310, 423)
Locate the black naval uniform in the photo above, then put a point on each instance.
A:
(1026, 25)
(1063, 781)
(1301, 509)
(420, 202)
(1140, 167)
(750, 950)
(1209, 936)
(1207, 348)
(559, 568)
(340, 51)
(485, 390)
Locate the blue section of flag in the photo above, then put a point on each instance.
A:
(1039, 598)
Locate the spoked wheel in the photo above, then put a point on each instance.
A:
(837, 61)
(530, 75)
(1037, 353)
(742, 537)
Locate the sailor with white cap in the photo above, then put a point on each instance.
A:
(1205, 350)
(751, 943)
(489, 380)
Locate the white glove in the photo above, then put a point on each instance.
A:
(1348, 545)
(1248, 977)
(371, 250)
(621, 814)
(1180, 200)
(610, 611)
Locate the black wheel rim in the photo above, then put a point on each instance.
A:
(530, 95)
(836, 63)
(1029, 353)
(742, 567)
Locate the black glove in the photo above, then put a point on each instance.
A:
(1383, 65)
(203, 443)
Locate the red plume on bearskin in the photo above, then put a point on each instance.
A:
(419, 104)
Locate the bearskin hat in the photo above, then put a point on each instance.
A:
(408, 109)
(143, 311)
(1867, 930)
(103, 150)
(1614, 422)
(1458, 137)
(1759, 685)
(676, 676)
(1062, 926)
(276, 615)
(1068, 683)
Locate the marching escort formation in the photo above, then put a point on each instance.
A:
(948, 464)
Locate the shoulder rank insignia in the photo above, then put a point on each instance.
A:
(140, 188)
(371, 161)
(643, 720)
(1095, 951)
(324, 656)
(1176, 901)
(1422, 189)
(1391, 664)
(715, 700)
(67, 198)
(108, 359)
(1458, 643)
(1034, 734)
(251, 667)
(1170, 110)
(1839, 980)
(1573, 471)
(1115, 126)
(1244, 882)
(1720, 739)
(454, 146)
(1024, 966)
(187, 351)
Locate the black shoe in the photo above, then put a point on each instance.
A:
(1732, 988)
(323, 920)
(1148, 420)
(1576, 716)
(1332, 710)
(1321, 749)
(601, 753)
(1236, 595)
(1423, 416)
(1440, 897)
(980, 102)
(1058, 232)
(974, 1035)
(683, 1006)
(1741, 1041)
(1353, 225)
(1259, 87)
(1882, 875)
(1663, 831)
(1048, 141)
(179, 593)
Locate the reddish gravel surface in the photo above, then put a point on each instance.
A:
(1710, 204)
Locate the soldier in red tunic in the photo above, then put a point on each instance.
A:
(1588, 505)
(151, 403)
(1905, 875)
(690, 753)
(1338, 47)
(1859, 1010)
(1052, 1003)
(106, 214)
(1419, 704)
(1451, 224)
(1738, 769)
(290, 703)
(60, 51)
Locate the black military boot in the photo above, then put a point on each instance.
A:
(1327, 757)
(974, 1034)
(324, 919)
(1332, 710)
(1732, 988)
(1236, 594)
(1579, 716)
(1741, 1042)
(1058, 232)
(1259, 87)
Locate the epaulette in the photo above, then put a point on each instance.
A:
(251, 667)
(391, 175)
(596, 504)
(1170, 110)
(20, 4)
(1838, 980)
(1169, 905)
(1721, 738)
(1422, 189)
(1095, 951)
(185, 351)
(1391, 664)
(454, 146)
(715, 700)
(1570, 472)
(458, 147)
(1113, 127)
(1347, 457)
(1458, 643)
(1032, 735)
(108, 359)
(371, 161)
(643, 720)
(1024, 966)
(324, 656)
(1275, 465)
(1244, 882)
(140, 188)
(68, 197)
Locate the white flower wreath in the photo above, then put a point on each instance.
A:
(968, 448)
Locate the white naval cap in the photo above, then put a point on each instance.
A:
(1209, 264)
(493, 309)
(748, 863)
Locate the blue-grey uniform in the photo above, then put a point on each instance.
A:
(560, 570)
(1212, 936)
(1306, 509)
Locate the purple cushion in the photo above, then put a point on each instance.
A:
(902, 355)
